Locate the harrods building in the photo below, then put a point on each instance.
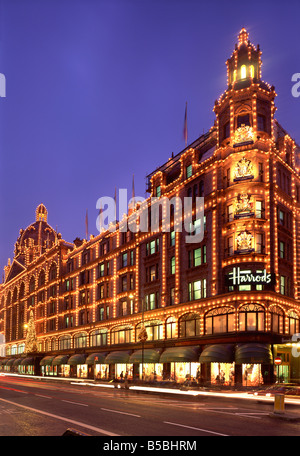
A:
(224, 309)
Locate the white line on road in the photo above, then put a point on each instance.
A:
(57, 417)
(122, 413)
(41, 395)
(76, 403)
(197, 429)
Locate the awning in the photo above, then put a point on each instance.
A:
(117, 357)
(47, 361)
(3, 361)
(253, 354)
(27, 362)
(77, 359)
(150, 356)
(180, 354)
(17, 362)
(10, 362)
(91, 359)
(60, 359)
(217, 353)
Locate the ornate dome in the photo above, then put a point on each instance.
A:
(36, 238)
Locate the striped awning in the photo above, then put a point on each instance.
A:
(96, 358)
(47, 361)
(148, 356)
(180, 354)
(217, 353)
(117, 357)
(77, 359)
(253, 353)
(60, 359)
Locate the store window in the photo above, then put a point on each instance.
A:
(251, 318)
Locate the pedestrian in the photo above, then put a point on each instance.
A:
(121, 376)
(126, 381)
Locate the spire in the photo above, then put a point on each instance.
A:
(243, 37)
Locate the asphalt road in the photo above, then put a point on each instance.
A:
(29, 407)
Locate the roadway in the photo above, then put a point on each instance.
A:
(30, 407)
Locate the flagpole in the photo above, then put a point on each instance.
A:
(185, 130)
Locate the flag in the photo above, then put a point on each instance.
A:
(86, 225)
(185, 131)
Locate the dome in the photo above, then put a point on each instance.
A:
(37, 237)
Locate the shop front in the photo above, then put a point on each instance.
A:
(119, 364)
(16, 365)
(61, 368)
(146, 365)
(27, 366)
(97, 368)
(47, 368)
(78, 366)
(180, 363)
(217, 364)
(254, 364)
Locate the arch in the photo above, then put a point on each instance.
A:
(31, 284)
(22, 291)
(64, 342)
(154, 329)
(220, 320)
(277, 319)
(15, 295)
(52, 271)
(80, 340)
(293, 325)
(170, 327)
(251, 317)
(98, 337)
(42, 278)
(121, 334)
(189, 325)
(8, 299)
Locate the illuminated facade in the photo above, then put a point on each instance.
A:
(220, 310)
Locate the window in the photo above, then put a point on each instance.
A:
(64, 343)
(197, 257)
(98, 338)
(243, 72)
(172, 296)
(154, 329)
(153, 272)
(281, 249)
(121, 335)
(170, 328)
(124, 260)
(261, 123)
(158, 191)
(285, 285)
(261, 172)
(197, 289)
(251, 318)
(277, 318)
(251, 71)
(189, 325)
(227, 130)
(230, 245)
(172, 238)
(230, 213)
(189, 171)
(220, 320)
(293, 321)
(152, 247)
(124, 283)
(281, 217)
(243, 120)
(101, 270)
(172, 265)
(259, 243)
(151, 301)
(80, 340)
(258, 209)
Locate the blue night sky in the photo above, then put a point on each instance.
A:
(96, 92)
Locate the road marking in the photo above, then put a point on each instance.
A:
(122, 413)
(76, 403)
(57, 417)
(197, 429)
(13, 389)
(41, 395)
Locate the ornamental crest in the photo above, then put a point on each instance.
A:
(243, 206)
(243, 134)
(244, 242)
(243, 170)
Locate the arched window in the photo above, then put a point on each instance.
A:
(8, 299)
(252, 71)
(234, 75)
(15, 295)
(53, 272)
(243, 72)
(189, 325)
(251, 318)
(80, 340)
(277, 317)
(31, 285)
(42, 278)
(219, 320)
(64, 343)
(98, 338)
(22, 291)
(154, 329)
(121, 335)
(170, 328)
(293, 322)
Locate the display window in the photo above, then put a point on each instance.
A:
(121, 369)
(222, 374)
(152, 372)
(252, 375)
(82, 370)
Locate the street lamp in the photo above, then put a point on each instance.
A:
(142, 335)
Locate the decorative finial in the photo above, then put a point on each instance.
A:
(243, 36)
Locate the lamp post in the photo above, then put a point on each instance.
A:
(143, 336)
